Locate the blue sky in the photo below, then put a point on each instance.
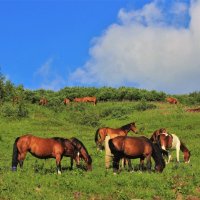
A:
(145, 44)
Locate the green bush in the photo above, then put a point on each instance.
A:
(14, 111)
(143, 105)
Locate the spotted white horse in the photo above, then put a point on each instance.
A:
(172, 141)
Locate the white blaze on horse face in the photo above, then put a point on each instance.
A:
(163, 147)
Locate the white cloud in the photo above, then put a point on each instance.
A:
(48, 77)
(145, 50)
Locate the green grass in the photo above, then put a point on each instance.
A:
(38, 178)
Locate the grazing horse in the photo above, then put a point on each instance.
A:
(42, 148)
(136, 147)
(43, 101)
(156, 133)
(86, 99)
(172, 100)
(101, 133)
(171, 141)
(66, 101)
(83, 152)
(193, 110)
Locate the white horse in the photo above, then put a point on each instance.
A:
(171, 141)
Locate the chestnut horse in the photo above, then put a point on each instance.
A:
(172, 100)
(42, 148)
(86, 99)
(101, 133)
(43, 101)
(136, 147)
(83, 152)
(66, 101)
(156, 133)
(171, 141)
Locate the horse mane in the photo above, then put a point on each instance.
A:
(183, 147)
(59, 139)
(76, 141)
(125, 127)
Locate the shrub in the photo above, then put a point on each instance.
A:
(143, 105)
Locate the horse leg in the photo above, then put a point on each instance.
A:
(58, 163)
(148, 158)
(21, 158)
(116, 160)
(177, 152)
(71, 163)
(169, 157)
(141, 166)
(130, 167)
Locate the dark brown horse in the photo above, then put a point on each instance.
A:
(171, 141)
(83, 152)
(42, 148)
(86, 99)
(66, 101)
(101, 133)
(136, 147)
(171, 100)
(43, 101)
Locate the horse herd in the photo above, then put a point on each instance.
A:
(118, 146)
(43, 101)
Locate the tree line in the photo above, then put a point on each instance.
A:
(8, 91)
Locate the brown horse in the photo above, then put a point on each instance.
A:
(66, 101)
(43, 101)
(136, 147)
(101, 133)
(193, 110)
(42, 148)
(172, 100)
(156, 133)
(86, 99)
(83, 152)
(171, 141)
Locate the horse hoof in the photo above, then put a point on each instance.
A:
(14, 169)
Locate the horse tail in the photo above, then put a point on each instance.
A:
(96, 136)
(157, 156)
(112, 146)
(15, 155)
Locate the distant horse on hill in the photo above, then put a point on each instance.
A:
(86, 99)
(43, 101)
(172, 100)
(66, 101)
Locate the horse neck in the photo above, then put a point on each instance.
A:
(157, 156)
(183, 148)
(126, 128)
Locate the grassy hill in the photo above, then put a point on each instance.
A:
(38, 178)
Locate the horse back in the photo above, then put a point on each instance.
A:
(40, 147)
(137, 146)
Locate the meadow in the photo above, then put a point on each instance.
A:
(38, 179)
